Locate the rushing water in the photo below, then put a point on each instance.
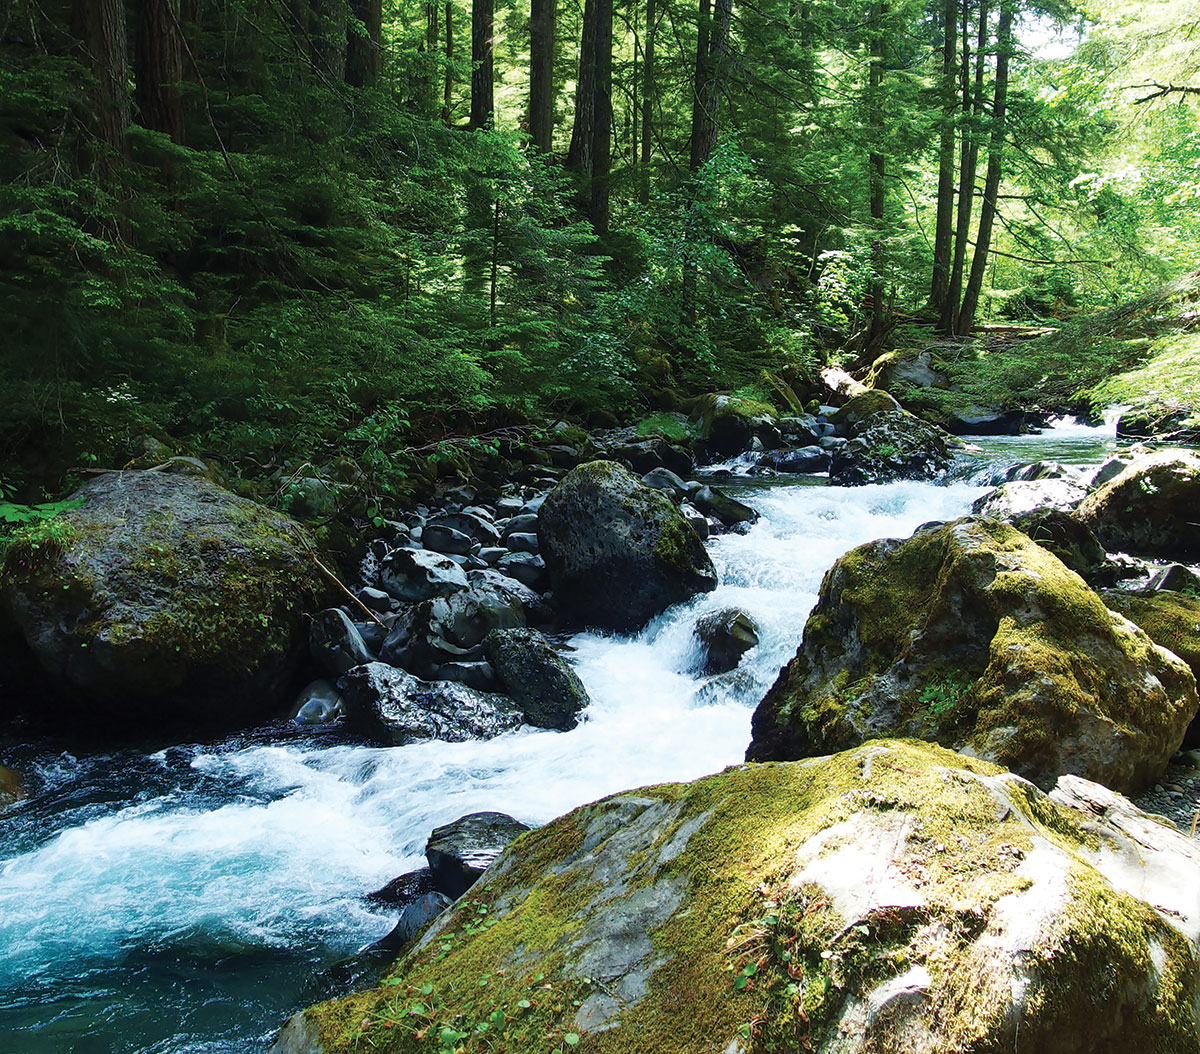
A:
(190, 899)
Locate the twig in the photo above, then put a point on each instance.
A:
(337, 581)
(1195, 818)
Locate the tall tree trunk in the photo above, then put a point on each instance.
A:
(602, 119)
(328, 36)
(648, 97)
(99, 26)
(943, 236)
(159, 67)
(541, 73)
(448, 85)
(972, 111)
(579, 155)
(991, 186)
(362, 52)
(483, 103)
(876, 171)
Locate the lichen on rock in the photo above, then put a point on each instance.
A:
(892, 898)
(972, 635)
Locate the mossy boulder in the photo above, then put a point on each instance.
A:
(894, 898)
(618, 552)
(970, 634)
(12, 787)
(1150, 508)
(728, 423)
(1171, 620)
(886, 443)
(541, 681)
(164, 602)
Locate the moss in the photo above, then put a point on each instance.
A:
(1171, 620)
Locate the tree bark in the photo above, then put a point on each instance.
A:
(648, 96)
(99, 26)
(943, 236)
(328, 28)
(158, 68)
(876, 171)
(972, 111)
(579, 155)
(602, 119)
(991, 186)
(362, 52)
(541, 73)
(448, 85)
(483, 103)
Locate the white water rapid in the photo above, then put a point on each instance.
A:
(155, 902)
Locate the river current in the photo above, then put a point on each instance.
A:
(186, 901)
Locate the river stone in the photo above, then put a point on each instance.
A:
(1071, 541)
(470, 523)
(335, 643)
(443, 539)
(970, 634)
(892, 899)
(527, 568)
(459, 852)
(810, 459)
(170, 603)
(725, 636)
(1150, 508)
(393, 707)
(618, 552)
(1176, 578)
(1019, 496)
(728, 423)
(524, 523)
(414, 919)
(729, 511)
(539, 680)
(418, 574)
(668, 482)
(319, 704)
(522, 542)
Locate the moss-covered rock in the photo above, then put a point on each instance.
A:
(163, 601)
(727, 423)
(886, 443)
(618, 552)
(970, 634)
(1172, 621)
(1150, 508)
(12, 787)
(895, 898)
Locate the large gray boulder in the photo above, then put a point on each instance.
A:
(618, 552)
(165, 602)
(886, 443)
(1150, 508)
(893, 899)
(970, 634)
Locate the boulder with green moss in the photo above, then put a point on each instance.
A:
(163, 601)
(728, 423)
(1171, 620)
(886, 443)
(12, 787)
(1150, 508)
(970, 634)
(893, 899)
(618, 552)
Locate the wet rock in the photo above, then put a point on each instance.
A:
(527, 568)
(1150, 508)
(538, 679)
(618, 552)
(478, 675)
(375, 599)
(443, 539)
(716, 503)
(459, 852)
(418, 574)
(1022, 496)
(394, 707)
(971, 634)
(415, 918)
(1061, 534)
(335, 643)
(801, 430)
(727, 424)
(403, 890)
(905, 891)
(170, 603)
(1176, 578)
(725, 637)
(803, 459)
(668, 482)
(696, 520)
(472, 524)
(523, 523)
(319, 704)
(520, 542)
(988, 423)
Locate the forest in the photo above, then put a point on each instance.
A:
(270, 231)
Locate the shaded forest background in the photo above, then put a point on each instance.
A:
(269, 230)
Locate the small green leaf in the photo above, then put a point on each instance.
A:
(571, 1039)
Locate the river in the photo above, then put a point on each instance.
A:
(187, 900)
